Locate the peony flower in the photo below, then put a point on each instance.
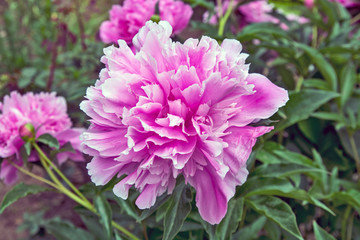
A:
(47, 113)
(175, 109)
(253, 12)
(177, 13)
(126, 20)
(257, 11)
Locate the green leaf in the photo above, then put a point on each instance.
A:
(327, 116)
(91, 222)
(231, 220)
(48, 140)
(279, 187)
(278, 211)
(261, 31)
(126, 206)
(25, 151)
(284, 170)
(316, 83)
(328, 8)
(302, 104)
(27, 75)
(273, 152)
(19, 191)
(321, 234)
(103, 208)
(147, 212)
(179, 208)
(348, 80)
(321, 63)
(251, 231)
(65, 230)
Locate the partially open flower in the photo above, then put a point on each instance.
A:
(21, 115)
(175, 109)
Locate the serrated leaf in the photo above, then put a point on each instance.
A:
(321, 234)
(179, 208)
(278, 211)
(104, 210)
(19, 191)
(302, 104)
(49, 141)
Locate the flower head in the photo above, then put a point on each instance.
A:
(21, 114)
(175, 109)
(126, 20)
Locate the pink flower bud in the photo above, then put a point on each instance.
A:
(27, 132)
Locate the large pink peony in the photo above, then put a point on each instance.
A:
(47, 113)
(176, 109)
(126, 20)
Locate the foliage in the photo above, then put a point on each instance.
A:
(304, 174)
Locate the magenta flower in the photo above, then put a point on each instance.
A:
(126, 20)
(47, 113)
(175, 109)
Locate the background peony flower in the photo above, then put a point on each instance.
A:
(126, 20)
(177, 13)
(257, 11)
(47, 113)
(176, 109)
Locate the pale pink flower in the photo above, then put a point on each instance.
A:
(126, 20)
(257, 11)
(177, 13)
(47, 113)
(175, 109)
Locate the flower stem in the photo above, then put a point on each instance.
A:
(78, 197)
(223, 19)
(43, 155)
(355, 152)
(23, 170)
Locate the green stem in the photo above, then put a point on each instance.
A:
(223, 19)
(79, 198)
(355, 19)
(43, 155)
(299, 83)
(355, 152)
(350, 227)
(344, 221)
(123, 230)
(23, 170)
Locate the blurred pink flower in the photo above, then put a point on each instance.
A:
(309, 3)
(47, 113)
(257, 11)
(172, 109)
(177, 13)
(253, 12)
(126, 20)
(349, 3)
